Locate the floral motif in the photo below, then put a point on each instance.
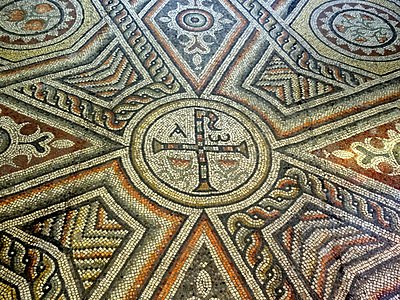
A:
(203, 286)
(366, 30)
(29, 22)
(16, 15)
(13, 143)
(37, 17)
(196, 24)
(360, 27)
(44, 8)
(380, 154)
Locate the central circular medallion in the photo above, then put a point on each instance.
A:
(363, 28)
(201, 155)
(28, 24)
(195, 20)
(358, 29)
(31, 18)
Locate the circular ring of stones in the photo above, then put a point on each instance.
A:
(196, 20)
(358, 29)
(30, 24)
(337, 27)
(200, 153)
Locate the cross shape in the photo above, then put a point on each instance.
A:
(201, 148)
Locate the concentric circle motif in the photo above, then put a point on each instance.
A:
(30, 24)
(357, 29)
(205, 155)
(196, 20)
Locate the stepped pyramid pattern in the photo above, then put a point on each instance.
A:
(287, 85)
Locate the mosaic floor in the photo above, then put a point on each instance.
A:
(200, 149)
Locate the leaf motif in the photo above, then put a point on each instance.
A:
(226, 21)
(62, 144)
(203, 284)
(343, 154)
(197, 60)
(165, 19)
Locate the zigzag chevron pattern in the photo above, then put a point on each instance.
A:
(36, 266)
(288, 86)
(88, 233)
(110, 76)
(286, 41)
(324, 248)
(384, 279)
